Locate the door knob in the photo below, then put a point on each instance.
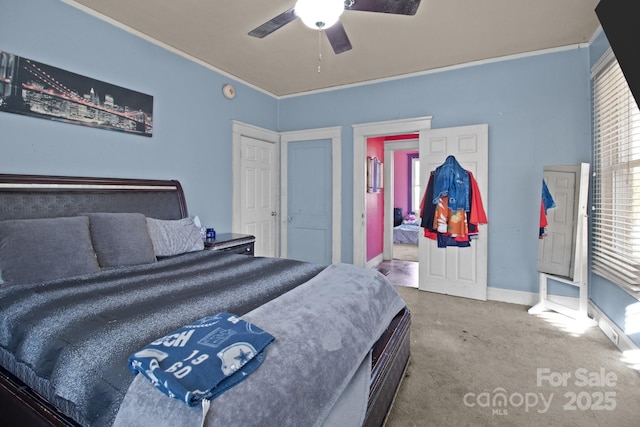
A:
(273, 213)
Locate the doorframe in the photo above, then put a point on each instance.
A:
(291, 137)
(362, 132)
(240, 129)
(390, 147)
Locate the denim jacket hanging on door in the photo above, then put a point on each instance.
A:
(450, 179)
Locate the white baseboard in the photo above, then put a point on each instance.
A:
(513, 297)
(611, 330)
(373, 262)
(526, 298)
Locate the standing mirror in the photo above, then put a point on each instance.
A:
(562, 250)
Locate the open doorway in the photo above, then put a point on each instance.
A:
(362, 132)
(392, 220)
(405, 203)
(391, 209)
(444, 271)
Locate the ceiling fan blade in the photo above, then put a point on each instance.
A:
(338, 38)
(396, 7)
(272, 25)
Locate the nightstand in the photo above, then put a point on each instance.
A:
(243, 244)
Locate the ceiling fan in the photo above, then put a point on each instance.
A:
(324, 15)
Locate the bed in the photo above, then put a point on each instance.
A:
(406, 233)
(71, 317)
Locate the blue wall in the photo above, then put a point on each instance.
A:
(192, 120)
(538, 109)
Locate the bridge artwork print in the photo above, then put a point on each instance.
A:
(34, 89)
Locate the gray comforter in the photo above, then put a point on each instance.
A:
(70, 339)
(324, 331)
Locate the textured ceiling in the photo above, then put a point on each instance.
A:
(442, 33)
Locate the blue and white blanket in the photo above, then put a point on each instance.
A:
(202, 359)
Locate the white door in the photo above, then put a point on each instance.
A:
(258, 180)
(452, 270)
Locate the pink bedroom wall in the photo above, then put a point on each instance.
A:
(375, 201)
(375, 205)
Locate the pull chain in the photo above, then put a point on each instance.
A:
(319, 48)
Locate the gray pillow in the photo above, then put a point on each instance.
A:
(38, 250)
(173, 237)
(121, 239)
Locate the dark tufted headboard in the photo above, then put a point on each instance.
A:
(33, 196)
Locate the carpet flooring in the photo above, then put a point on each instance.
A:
(405, 252)
(487, 363)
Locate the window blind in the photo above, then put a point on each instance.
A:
(616, 180)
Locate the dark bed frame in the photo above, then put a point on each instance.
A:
(31, 196)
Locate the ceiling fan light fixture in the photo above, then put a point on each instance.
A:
(319, 14)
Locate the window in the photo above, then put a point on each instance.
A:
(616, 172)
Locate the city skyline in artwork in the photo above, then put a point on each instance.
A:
(35, 89)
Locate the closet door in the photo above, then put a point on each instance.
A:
(258, 183)
(452, 270)
(309, 201)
